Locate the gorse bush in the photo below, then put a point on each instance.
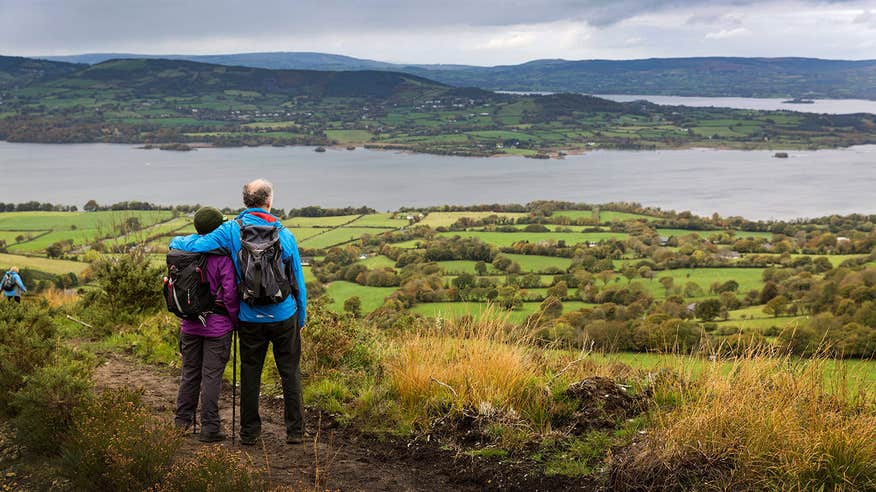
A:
(27, 341)
(115, 444)
(129, 286)
(212, 469)
(334, 342)
(46, 405)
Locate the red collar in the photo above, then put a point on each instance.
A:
(262, 215)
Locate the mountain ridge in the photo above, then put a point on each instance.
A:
(783, 77)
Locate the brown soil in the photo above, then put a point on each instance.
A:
(337, 458)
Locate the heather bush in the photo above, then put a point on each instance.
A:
(212, 469)
(115, 444)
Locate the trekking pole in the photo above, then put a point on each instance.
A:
(233, 384)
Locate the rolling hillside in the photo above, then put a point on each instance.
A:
(16, 71)
(180, 78)
(705, 76)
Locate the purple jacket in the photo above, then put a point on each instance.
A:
(220, 274)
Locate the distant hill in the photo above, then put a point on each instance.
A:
(16, 71)
(705, 76)
(158, 77)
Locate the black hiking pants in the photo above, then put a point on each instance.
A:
(203, 362)
(14, 298)
(254, 338)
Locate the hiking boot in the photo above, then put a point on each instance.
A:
(294, 439)
(211, 437)
(248, 441)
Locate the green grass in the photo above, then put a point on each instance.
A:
(509, 238)
(47, 265)
(378, 261)
(748, 278)
(79, 237)
(381, 220)
(302, 233)
(477, 309)
(371, 297)
(334, 221)
(534, 263)
(349, 136)
(446, 219)
(44, 221)
(706, 234)
(454, 267)
(337, 236)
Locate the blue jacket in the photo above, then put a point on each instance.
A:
(227, 237)
(18, 283)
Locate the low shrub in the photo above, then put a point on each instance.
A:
(128, 286)
(46, 405)
(115, 444)
(212, 469)
(27, 341)
(334, 343)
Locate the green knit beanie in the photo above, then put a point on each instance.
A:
(207, 219)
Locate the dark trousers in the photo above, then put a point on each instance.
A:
(14, 298)
(286, 340)
(203, 362)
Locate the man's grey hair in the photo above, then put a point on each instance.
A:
(257, 193)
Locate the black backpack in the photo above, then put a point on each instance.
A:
(8, 282)
(186, 288)
(264, 277)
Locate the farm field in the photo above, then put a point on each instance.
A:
(371, 297)
(47, 265)
(476, 309)
(332, 237)
(446, 219)
(706, 234)
(509, 238)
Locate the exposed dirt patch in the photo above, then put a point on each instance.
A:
(337, 458)
(601, 404)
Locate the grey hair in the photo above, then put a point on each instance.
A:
(257, 193)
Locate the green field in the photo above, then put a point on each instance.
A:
(509, 238)
(457, 309)
(748, 278)
(381, 220)
(534, 263)
(706, 234)
(56, 267)
(337, 236)
(446, 219)
(334, 221)
(45, 221)
(371, 297)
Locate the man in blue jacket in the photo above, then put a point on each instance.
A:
(13, 286)
(260, 324)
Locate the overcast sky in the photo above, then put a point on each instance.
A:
(483, 32)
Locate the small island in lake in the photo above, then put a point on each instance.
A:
(798, 100)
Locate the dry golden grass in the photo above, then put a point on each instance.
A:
(768, 424)
(58, 298)
(485, 365)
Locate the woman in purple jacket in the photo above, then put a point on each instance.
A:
(205, 347)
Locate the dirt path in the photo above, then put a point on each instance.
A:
(337, 460)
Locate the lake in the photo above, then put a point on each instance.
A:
(821, 106)
(749, 183)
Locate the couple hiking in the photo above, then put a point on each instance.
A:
(252, 269)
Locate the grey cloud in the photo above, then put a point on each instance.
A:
(64, 26)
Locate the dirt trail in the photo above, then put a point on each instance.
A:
(338, 460)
